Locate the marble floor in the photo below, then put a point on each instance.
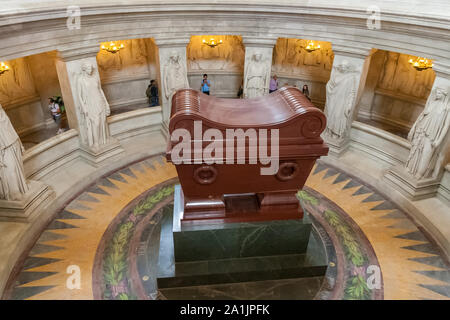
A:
(36, 137)
(106, 232)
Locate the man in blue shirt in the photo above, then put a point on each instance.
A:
(205, 84)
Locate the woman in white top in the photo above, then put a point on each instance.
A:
(56, 113)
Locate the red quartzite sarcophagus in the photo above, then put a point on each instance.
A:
(239, 192)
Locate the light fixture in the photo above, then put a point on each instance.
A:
(112, 47)
(212, 43)
(311, 46)
(3, 68)
(421, 63)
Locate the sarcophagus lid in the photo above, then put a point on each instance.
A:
(299, 123)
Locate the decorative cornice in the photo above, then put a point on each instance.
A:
(352, 51)
(78, 53)
(259, 41)
(442, 69)
(163, 42)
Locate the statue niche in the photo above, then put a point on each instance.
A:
(399, 76)
(17, 83)
(229, 56)
(13, 184)
(291, 58)
(428, 133)
(131, 60)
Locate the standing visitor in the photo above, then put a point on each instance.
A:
(206, 84)
(55, 110)
(152, 93)
(305, 91)
(273, 84)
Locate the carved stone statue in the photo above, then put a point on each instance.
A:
(175, 75)
(341, 94)
(13, 184)
(256, 77)
(428, 133)
(94, 107)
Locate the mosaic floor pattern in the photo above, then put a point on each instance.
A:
(102, 233)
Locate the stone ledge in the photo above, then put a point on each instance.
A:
(39, 197)
(410, 186)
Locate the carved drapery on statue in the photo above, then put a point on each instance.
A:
(341, 95)
(13, 184)
(428, 133)
(94, 107)
(175, 75)
(256, 77)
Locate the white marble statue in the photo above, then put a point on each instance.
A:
(256, 77)
(13, 184)
(341, 93)
(175, 75)
(94, 107)
(428, 133)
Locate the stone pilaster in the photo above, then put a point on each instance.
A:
(344, 90)
(69, 66)
(173, 72)
(258, 65)
(420, 176)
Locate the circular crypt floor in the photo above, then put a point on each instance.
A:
(373, 250)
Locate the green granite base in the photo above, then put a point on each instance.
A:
(237, 240)
(215, 254)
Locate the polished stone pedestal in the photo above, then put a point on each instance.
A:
(108, 152)
(215, 254)
(336, 147)
(411, 187)
(38, 197)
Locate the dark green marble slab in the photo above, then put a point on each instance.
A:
(288, 289)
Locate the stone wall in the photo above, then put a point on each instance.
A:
(224, 64)
(395, 93)
(126, 74)
(295, 66)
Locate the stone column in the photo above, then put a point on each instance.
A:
(173, 72)
(19, 198)
(420, 176)
(344, 89)
(258, 65)
(86, 105)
